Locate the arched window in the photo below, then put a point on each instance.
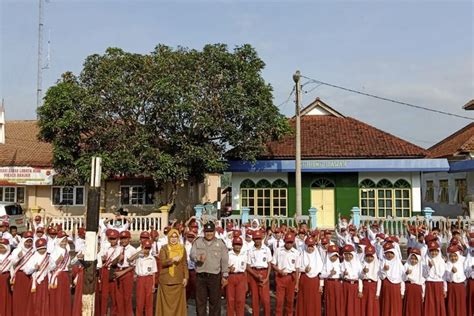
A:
(323, 183)
(367, 197)
(279, 194)
(263, 184)
(402, 198)
(279, 184)
(384, 183)
(247, 183)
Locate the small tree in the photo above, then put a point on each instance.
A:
(170, 115)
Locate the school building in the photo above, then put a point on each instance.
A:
(27, 178)
(345, 163)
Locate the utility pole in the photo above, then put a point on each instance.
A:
(39, 79)
(296, 79)
(92, 223)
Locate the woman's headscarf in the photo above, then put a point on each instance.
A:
(353, 267)
(416, 271)
(458, 276)
(395, 270)
(258, 224)
(174, 250)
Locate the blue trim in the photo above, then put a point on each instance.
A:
(342, 165)
(461, 166)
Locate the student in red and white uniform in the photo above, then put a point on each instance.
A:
(39, 268)
(456, 279)
(331, 274)
(125, 279)
(299, 240)
(414, 284)
(310, 266)
(469, 271)
(145, 269)
(371, 283)
(284, 265)
(188, 244)
(19, 280)
(59, 285)
(107, 259)
(237, 281)
(39, 234)
(436, 288)
(4, 233)
(393, 287)
(5, 265)
(259, 259)
(352, 285)
(248, 241)
(52, 235)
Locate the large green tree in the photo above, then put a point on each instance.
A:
(170, 115)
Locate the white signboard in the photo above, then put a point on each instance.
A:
(27, 175)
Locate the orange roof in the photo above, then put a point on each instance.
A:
(328, 136)
(22, 147)
(460, 142)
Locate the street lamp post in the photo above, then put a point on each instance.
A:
(296, 79)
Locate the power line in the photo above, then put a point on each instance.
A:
(388, 99)
(287, 99)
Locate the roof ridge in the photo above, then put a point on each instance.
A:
(20, 121)
(451, 136)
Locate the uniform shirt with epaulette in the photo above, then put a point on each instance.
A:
(216, 253)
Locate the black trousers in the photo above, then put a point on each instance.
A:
(208, 287)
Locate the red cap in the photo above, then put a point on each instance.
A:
(28, 235)
(369, 250)
(236, 233)
(37, 218)
(454, 242)
(154, 233)
(257, 235)
(81, 231)
(147, 244)
(41, 243)
(315, 233)
(429, 237)
(193, 224)
(452, 249)
(324, 241)
(471, 243)
(380, 235)
(289, 237)
(390, 239)
(352, 227)
(348, 248)
(277, 230)
(125, 234)
(364, 242)
(52, 231)
(388, 246)
(62, 234)
(4, 241)
(40, 230)
(301, 231)
(433, 245)
(237, 241)
(415, 251)
(4, 223)
(310, 242)
(375, 225)
(333, 249)
(113, 234)
(229, 225)
(144, 235)
(220, 230)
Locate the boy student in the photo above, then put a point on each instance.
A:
(237, 282)
(145, 269)
(284, 265)
(258, 268)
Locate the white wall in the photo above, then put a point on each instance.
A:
(238, 178)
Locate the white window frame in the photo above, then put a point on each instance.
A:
(130, 190)
(15, 188)
(74, 192)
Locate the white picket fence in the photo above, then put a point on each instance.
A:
(139, 223)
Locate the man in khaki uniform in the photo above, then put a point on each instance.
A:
(211, 257)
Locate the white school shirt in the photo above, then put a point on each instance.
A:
(191, 264)
(51, 245)
(353, 269)
(8, 236)
(259, 258)
(329, 266)
(79, 245)
(469, 265)
(436, 272)
(238, 261)
(277, 244)
(458, 276)
(394, 273)
(373, 273)
(145, 265)
(58, 252)
(299, 243)
(285, 260)
(111, 254)
(312, 260)
(127, 251)
(416, 273)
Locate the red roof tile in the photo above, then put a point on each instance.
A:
(22, 147)
(327, 136)
(461, 141)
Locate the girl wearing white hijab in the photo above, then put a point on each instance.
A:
(436, 288)
(309, 266)
(331, 275)
(39, 267)
(414, 284)
(352, 285)
(455, 277)
(371, 283)
(59, 285)
(393, 287)
(5, 265)
(469, 271)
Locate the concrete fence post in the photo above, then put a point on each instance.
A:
(356, 216)
(245, 215)
(312, 217)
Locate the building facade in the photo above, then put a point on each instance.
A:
(345, 163)
(27, 178)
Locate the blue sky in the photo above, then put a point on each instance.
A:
(414, 51)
